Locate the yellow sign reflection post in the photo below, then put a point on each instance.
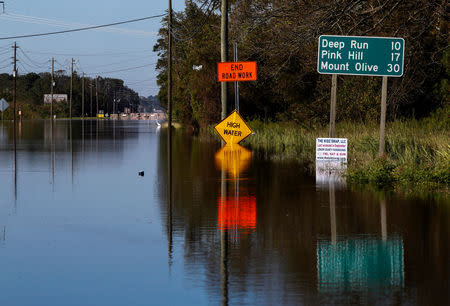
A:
(232, 159)
(236, 213)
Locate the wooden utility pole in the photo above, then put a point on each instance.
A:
(224, 55)
(51, 89)
(333, 106)
(169, 68)
(383, 115)
(96, 93)
(114, 102)
(224, 100)
(383, 219)
(14, 95)
(71, 87)
(169, 127)
(236, 84)
(82, 96)
(91, 98)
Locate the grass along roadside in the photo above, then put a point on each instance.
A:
(417, 152)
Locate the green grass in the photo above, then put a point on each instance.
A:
(417, 152)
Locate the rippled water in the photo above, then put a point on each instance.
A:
(79, 226)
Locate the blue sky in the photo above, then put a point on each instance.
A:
(96, 52)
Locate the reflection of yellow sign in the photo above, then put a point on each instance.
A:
(233, 129)
(233, 158)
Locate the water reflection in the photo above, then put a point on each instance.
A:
(62, 141)
(360, 264)
(169, 195)
(234, 159)
(236, 207)
(258, 241)
(236, 212)
(267, 235)
(350, 267)
(330, 172)
(52, 151)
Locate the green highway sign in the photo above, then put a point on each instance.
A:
(361, 55)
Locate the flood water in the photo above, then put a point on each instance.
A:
(79, 226)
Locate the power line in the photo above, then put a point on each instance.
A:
(5, 59)
(58, 23)
(194, 33)
(78, 66)
(90, 54)
(142, 81)
(121, 62)
(33, 62)
(23, 67)
(82, 29)
(126, 69)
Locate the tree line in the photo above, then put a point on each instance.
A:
(112, 94)
(282, 36)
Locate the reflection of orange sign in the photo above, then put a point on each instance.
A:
(236, 71)
(237, 213)
(234, 159)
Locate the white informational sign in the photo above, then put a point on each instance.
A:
(331, 162)
(56, 98)
(331, 150)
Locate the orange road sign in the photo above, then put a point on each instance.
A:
(233, 128)
(236, 71)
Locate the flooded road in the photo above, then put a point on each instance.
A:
(79, 226)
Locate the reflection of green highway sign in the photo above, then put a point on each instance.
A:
(3, 105)
(360, 263)
(359, 55)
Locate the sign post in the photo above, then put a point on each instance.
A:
(383, 116)
(236, 84)
(361, 55)
(233, 128)
(333, 105)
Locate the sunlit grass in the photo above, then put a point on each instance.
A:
(417, 152)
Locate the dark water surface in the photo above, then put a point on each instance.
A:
(78, 226)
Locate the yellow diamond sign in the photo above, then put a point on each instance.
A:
(233, 128)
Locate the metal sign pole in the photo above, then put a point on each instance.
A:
(383, 116)
(236, 84)
(333, 106)
(224, 55)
